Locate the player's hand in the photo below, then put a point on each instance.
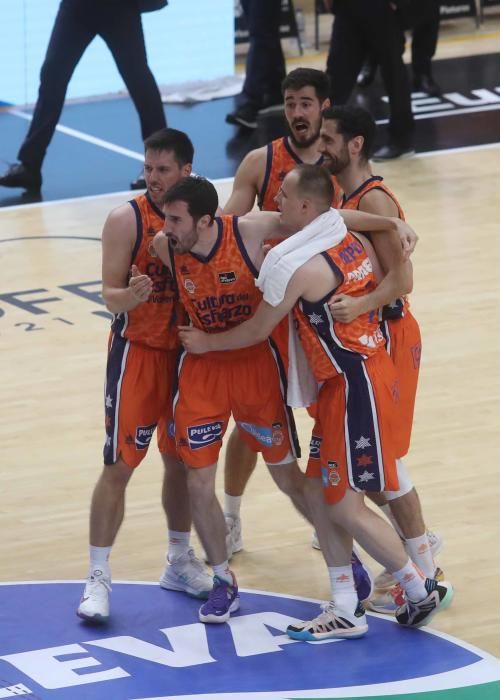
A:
(407, 236)
(194, 340)
(344, 308)
(140, 285)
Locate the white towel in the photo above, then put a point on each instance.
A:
(278, 267)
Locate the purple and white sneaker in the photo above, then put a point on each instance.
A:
(223, 600)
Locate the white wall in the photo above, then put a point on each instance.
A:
(187, 41)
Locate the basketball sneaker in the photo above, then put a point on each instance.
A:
(385, 580)
(412, 614)
(332, 623)
(94, 604)
(223, 600)
(388, 601)
(187, 573)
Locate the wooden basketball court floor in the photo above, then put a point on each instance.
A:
(53, 340)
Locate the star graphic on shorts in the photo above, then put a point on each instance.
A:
(109, 401)
(362, 443)
(315, 319)
(366, 476)
(394, 305)
(364, 461)
(108, 441)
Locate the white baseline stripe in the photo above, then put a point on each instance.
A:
(86, 137)
(447, 113)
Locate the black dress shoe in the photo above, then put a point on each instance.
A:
(139, 183)
(393, 151)
(245, 115)
(18, 175)
(427, 84)
(367, 74)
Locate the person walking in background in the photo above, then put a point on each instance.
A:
(77, 23)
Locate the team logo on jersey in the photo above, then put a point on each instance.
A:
(204, 435)
(315, 446)
(143, 435)
(155, 647)
(189, 286)
(227, 277)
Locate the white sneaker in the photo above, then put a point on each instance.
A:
(385, 580)
(332, 623)
(187, 573)
(94, 605)
(234, 543)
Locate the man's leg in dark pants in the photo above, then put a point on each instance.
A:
(70, 37)
(124, 36)
(386, 39)
(345, 57)
(265, 64)
(423, 46)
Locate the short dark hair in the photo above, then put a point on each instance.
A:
(308, 77)
(315, 182)
(353, 121)
(172, 140)
(199, 194)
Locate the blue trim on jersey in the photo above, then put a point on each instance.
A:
(345, 199)
(153, 206)
(139, 231)
(265, 182)
(362, 422)
(216, 245)
(242, 248)
(113, 376)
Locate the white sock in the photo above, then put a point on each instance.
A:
(386, 509)
(412, 581)
(222, 571)
(342, 588)
(232, 505)
(178, 543)
(99, 561)
(420, 552)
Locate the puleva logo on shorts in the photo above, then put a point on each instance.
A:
(143, 435)
(204, 435)
(155, 647)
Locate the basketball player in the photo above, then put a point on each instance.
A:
(356, 403)
(141, 360)
(259, 176)
(215, 263)
(346, 139)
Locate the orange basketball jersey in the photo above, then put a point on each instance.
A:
(400, 306)
(332, 347)
(219, 292)
(280, 160)
(154, 322)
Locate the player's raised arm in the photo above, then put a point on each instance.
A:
(246, 183)
(356, 220)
